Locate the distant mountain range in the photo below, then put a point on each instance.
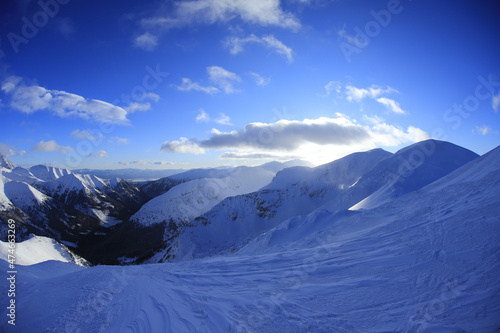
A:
(94, 217)
(203, 212)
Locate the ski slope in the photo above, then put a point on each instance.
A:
(427, 261)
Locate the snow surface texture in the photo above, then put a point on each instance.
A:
(427, 261)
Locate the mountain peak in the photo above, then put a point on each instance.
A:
(430, 146)
(48, 173)
(5, 163)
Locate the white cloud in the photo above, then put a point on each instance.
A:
(146, 41)
(223, 120)
(51, 146)
(142, 106)
(293, 135)
(188, 85)
(332, 86)
(100, 154)
(203, 116)
(223, 78)
(144, 163)
(136, 106)
(183, 145)
(259, 12)
(252, 155)
(152, 96)
(389, 135)
(495, 102)
(259, 80)
(237, 45)
(354, 94)
(391, 105)
(278, 47)
(118, 140)
(29, 99)
(7, 150)
(483, 130)
(86, 134)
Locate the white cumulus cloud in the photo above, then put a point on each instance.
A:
(51, 146)
(33, 98)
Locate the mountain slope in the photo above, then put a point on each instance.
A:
(70, 208)
(38, 249)
(180, 205)
(5, 163)
(360, 180)
(195, 197)
(294, 191)
(410, 169)
(424, 262)
(47, 173)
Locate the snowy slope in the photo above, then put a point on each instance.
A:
(294, 191)
(5, 163)
(23, 195)
(425, 262)
(360, 180)
(39, 249)
(188, 200)
(73, 209)
(98, 198)
(4, 200)
(48, 173)
(160, 186)
(410, 169)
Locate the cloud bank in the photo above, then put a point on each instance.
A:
(290, 135)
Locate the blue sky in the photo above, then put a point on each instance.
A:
(200, 83)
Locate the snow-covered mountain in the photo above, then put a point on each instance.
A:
(163, 185)
(423, 261)
(375, 176)
(134, 175)
(194, 196)
(60, 204)
(48, 173)
(201, 190)
(5, 163)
